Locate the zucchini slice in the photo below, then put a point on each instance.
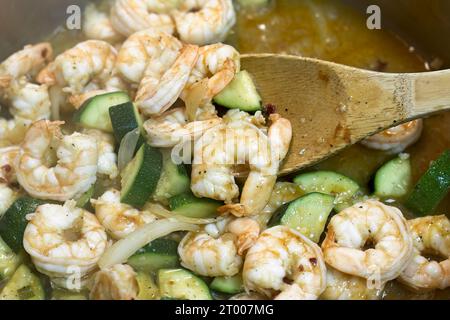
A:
(180, 284)
(432, 187)
(140, 177)
(174, 180)
(188, 205)
(125, 117)
(148, 290)
(23, 285)
(328, 182)
(241, 94)
(9, 261)
(393, 180)
(14, 222)
(230, 285)
(94, 113)
(159, 254)
(308, 214)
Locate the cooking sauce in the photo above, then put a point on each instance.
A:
(328, 30)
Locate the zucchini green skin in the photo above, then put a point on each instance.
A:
(229, 285)
(141, 176)
(308, 214)
(432, 187)
(9, 261)
(159, 254)
(124, 118)
(174, 180)
(188, 205)
(94, 113)
(180, 284)
(241, 94)
(14, 222)
(328, 182)
(23, 285)
(393, 179)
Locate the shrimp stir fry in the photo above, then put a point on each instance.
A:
(147, 90)
(52, 166)
(218, 250)
(369, 223)
(285, 265)
(63, 240)
(431, 235)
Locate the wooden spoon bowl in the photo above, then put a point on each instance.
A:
(332, 106)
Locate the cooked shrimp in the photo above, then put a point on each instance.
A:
(130, 16)
(204, 21)
(12, 131)
(7, 159)
(60, 239)
(28, 101)
(56, 167)
(218, 250)
(27, 62)
(158, 93)
(218, 64)
(147, 53)
(7, 176)
(341, 286)
(115, 283)
(119, 219)
(368, 222)
(215, 155)
(431, 235)
(285, 265)
(107, 158)
(98, 26)
(172, 128)
(396, 139)
(89, 64)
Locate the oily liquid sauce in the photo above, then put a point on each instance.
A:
(328, 30)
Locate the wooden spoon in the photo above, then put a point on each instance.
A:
(332, 106)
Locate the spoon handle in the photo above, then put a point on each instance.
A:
(430, 92)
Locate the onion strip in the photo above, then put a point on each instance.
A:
(127, 148)
(160, 211)
(120, 251)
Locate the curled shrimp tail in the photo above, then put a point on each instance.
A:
(153, 99)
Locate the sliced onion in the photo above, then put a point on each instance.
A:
(127, 147)
(56, 99)
(160, 211)
(125, 248)
(195, 98)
